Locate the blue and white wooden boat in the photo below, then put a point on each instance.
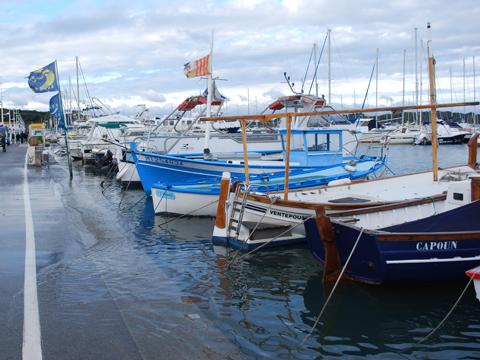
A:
(202, 195)
(436, 248)
(312, 149)
(269, 220)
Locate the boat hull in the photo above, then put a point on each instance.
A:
(410, 252)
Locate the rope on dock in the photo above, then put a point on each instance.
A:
(333, 289)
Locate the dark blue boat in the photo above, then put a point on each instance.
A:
(440, 247)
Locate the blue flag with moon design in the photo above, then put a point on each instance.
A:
(56, 110)
(44, 79)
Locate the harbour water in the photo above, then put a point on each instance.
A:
(115, 281)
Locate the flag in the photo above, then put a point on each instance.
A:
(56, 110)
(44, 79)
(198, 67)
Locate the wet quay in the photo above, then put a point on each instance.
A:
(113, 281)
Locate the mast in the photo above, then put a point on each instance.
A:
(315, 63)
(474, 92)
(329, 67)
(474, 75)
(433, 100)
(70, 169)
(416, 71)
(78, 90)
(421, 80)
(403, 85)
(464, 88)
(376, 82)
(451, 84)
(206, 149)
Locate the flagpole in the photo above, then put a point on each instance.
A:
(70, 170)
(206, 150)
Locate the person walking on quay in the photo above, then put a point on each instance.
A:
(3, 141)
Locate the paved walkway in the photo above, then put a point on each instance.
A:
(82, 256)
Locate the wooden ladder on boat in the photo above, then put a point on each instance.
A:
(236, 212)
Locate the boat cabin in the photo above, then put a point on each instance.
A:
(314, 147)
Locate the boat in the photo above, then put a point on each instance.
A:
(474, 274)
(318, 166)
(445, 134)
(440, 247)
(108, 133)
(268, 220)
(401, 136)
(265, 154)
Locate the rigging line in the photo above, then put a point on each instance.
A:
(426, 337)
(270, 240)
(132, 172)
(318, 63)
(272, 201)
(333, 289)
(368, 87)
(308, 67)
(86, 88)
(189, 213)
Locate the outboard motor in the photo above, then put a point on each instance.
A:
(104, 159)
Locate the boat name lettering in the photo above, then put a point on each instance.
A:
(286, 215)
(163, 161)
(436, 245)
(165, 194)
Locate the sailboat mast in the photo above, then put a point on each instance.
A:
(433, 100)
(421, 80)
(451, 84)
(329, 67)
(315, 63)
(474, 91)
(416, 71)
(403, 85)
(78, 90)
(464, 88)
(206, 149)
(376, 82)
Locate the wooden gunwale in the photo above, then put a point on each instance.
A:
(270, 117)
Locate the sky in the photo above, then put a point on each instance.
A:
(133, 52)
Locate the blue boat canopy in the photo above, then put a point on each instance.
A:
(314, 147)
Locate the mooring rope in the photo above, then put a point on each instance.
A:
(235, 257)
(272, 201)
(445, 317)
(189, 213)
(317, 320)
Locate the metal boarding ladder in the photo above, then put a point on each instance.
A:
(236, 212)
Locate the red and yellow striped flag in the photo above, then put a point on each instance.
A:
(200, 67)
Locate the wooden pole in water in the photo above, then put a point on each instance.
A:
(287, 156)
(433, 100)
(245, 151)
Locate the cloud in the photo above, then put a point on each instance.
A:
(133, 52)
